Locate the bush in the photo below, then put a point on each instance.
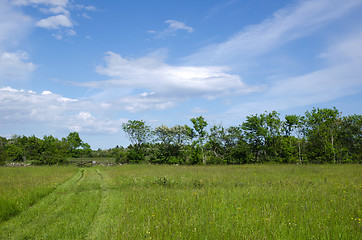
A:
(3, 157)
(212, 159)
(135, 155)
(51, 158)
(121, 157)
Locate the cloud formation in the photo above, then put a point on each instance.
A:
(60, 11)
(159, 77)
(285, 25)
(176, 25)
(173, 27)
(165, 85)
(55, 22)
(342, 77)
(13, 25)
(15, 66)
(21, 107)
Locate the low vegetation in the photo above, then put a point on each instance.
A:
(187, 202)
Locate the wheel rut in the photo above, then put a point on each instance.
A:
(69, 212)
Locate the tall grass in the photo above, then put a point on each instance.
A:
(236, 202)
(21, 187)
(198, 202)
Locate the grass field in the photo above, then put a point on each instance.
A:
(21, 187)
(186, 202)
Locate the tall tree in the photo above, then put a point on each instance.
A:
(273, 124)
(199, 125)
(350, 138)
(138, 133)
(322, 131)
(256, 134)
(3, 153)
(74, 141)
(294, 126)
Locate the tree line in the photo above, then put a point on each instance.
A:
(48, 150)
(319, 136)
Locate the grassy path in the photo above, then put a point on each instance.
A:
(66, 213)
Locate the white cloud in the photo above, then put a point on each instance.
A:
(144, 102)
(71, 32)
(19, 108)
(38, 2)
(45, 92)
(341, 78)
(176, 25)
(166, 80)
(87, 123)
(15, 65)
(13, 25)
(55, 22)
(173, 27)
(61, 15)
(90, 8)
(165, 85)
(57, 10)
(199, 110)
(285, 25)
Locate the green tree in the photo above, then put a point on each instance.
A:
(170, 143)
(217, 141)
(138, 133)
(322, 131)
(199, 131)
(294, 126)
(273, 126)
(33, 148)
(227, 145)
(256, 134)
(350, 139)
(74, 143)
(54, 151)
(182, 134)
(3, 153)
(15, 149)
(165, 149)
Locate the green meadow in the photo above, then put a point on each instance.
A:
(181, 202)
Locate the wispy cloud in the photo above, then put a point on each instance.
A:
(176, 25)
(14, 25)
(285, 25)
(341, 78)
(173, 27)
(15, 66)
(37, 2)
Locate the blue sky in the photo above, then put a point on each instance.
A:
(89, 66)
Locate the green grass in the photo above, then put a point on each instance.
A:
(21, 187)
(197, 202)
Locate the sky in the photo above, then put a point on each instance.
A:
(90, 65)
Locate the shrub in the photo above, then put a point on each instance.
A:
(3, 157)
(121, 157)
